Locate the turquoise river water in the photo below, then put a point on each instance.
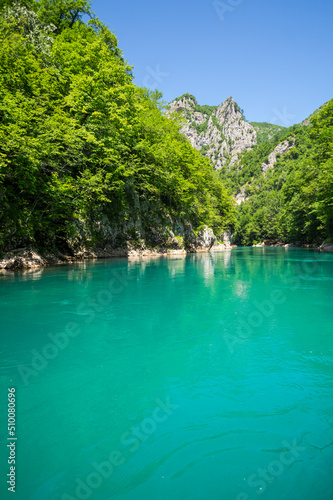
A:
(206, 377)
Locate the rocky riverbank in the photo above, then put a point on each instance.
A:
(31, 258)
(323, 247)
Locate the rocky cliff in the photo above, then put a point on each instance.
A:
(219, 132)
(280, 150)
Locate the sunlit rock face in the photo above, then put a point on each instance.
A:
(220, 132)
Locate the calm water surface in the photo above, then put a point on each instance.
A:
(208, 377)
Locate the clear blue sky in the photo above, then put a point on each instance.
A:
(274, 57)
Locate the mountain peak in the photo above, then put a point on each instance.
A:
(185, 101)
(219, 132)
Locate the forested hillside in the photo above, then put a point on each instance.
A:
(281, 178)
(86, 157)
(288, 184)
(266, 131)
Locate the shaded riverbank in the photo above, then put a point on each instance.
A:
(323, 247)
(30, 258)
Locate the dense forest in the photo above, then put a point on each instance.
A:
(87, 157)
(293, 201)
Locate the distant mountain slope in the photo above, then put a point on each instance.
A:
(285, 188)
(219, 132)
(281, 178)
(266, 131)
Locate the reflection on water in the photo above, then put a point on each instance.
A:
(23, 275)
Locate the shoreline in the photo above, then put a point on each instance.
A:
(323, 247)
(30, 258)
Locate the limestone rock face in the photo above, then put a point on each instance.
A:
(22, 259)
(241, 196)
(221, 133)
(280, 150)
(162, 240)
(205, 239)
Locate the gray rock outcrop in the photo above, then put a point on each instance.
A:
(22, 259)
(220, 133)
(180, 240)
(280, 150)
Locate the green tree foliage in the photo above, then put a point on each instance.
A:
(81, 146)
(268, 132)
(27, 23)
(294, 200)
(63, 13)
(205, 109)
(187, 96)
(32, 4)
